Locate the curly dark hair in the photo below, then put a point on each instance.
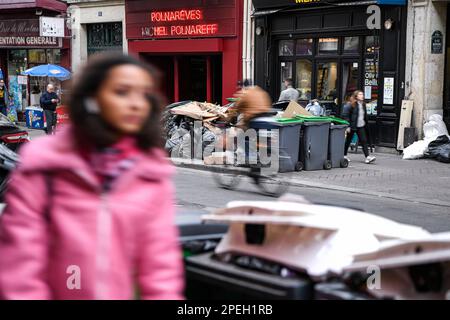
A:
(91, 129)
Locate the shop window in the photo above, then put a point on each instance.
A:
(328, 45)
(304, 47)
(37, 56)
(371, 70)
(327, 81)
(17, 62)
(53, 56)
(286, 48)
(372, 44)
(351, 45)
(286, 72)
(350, 76)
(371, 83)
(304, 76)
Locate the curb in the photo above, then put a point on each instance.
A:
(198, 165)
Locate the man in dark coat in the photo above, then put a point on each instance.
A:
(49, 100)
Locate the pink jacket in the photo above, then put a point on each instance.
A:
(91, 245)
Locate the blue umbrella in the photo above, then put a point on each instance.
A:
(48, 70)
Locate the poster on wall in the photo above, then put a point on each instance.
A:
(371, 79)
(15, 99)
(367, 92)
(388, 92)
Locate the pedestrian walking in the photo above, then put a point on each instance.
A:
(355, 112)
(48, 101)
(289, 93)
(106, 228)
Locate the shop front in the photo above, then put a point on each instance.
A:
(21, 47)
(196, 45)
(329, 51)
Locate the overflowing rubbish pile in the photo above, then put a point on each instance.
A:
(435, 144)
(300, 250)
(305, 141)
(180, 130)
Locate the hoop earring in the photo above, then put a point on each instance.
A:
(91, 106)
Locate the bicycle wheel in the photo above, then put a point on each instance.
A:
(270, 184)
(227, 177)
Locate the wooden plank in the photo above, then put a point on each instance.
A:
(405, 121)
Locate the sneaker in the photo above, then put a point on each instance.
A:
(347, 158)
(370, 159)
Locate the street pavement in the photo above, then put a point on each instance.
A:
(390, 177)
(409, 191)
(196, 191)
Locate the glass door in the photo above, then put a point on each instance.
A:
(327, 85)
(350, 78)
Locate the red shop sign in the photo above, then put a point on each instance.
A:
(166, 19)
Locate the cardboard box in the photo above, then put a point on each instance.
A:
(294, 109)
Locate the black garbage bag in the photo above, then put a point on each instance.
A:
(439, 149)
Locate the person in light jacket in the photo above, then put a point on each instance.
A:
(289, 93)
(90, 212)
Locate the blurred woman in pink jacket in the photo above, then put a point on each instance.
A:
(90, 211)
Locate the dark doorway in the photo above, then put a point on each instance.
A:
(189, 77)
(193, 78)
(166, 67)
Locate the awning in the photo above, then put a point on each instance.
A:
(52, 5)
(267, 4)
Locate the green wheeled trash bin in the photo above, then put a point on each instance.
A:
(336, 146)
(288, 134)
(314, 146)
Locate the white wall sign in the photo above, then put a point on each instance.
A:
(22, 79)
(51, 27)
(388, 95)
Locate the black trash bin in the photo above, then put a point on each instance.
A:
(336, 146)
(337, 290)
(196, 237)
(211, 279)
(288, 134)
(314, 146)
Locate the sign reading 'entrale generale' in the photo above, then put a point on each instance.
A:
(24, 34)
(177, 19)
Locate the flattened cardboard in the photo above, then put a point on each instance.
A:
(294, 109)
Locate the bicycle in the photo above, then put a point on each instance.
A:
(231, 174)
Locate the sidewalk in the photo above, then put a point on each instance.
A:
(33, 133)
(420, 181)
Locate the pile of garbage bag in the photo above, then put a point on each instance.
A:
(435, 131)
(181, 132)
(439, 149)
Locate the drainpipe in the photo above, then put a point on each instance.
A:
(250, 40)
(244, 39)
